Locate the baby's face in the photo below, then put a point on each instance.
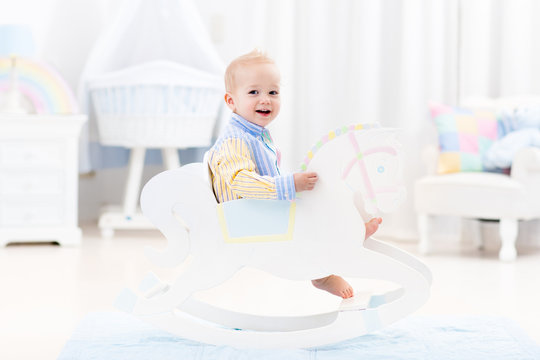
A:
(256, 93)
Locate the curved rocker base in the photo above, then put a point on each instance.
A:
(199, 321)
(347, 324)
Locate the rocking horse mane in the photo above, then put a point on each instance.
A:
(333, 135)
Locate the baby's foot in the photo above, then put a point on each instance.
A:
(372, 226)
(334, 285)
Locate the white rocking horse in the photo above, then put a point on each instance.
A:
(320, 233)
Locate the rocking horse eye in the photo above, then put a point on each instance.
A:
(380, 169)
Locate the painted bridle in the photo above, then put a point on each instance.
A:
(359, 159)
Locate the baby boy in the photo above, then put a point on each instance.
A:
(244, 161)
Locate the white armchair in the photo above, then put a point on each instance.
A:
(481, 195)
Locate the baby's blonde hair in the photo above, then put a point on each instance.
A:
(255, 56)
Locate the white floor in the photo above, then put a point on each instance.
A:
(47, 289)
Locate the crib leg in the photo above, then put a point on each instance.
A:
(171, 160)
(131, 195)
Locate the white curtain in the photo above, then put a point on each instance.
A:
(500, 51)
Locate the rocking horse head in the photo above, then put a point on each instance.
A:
(362, 161)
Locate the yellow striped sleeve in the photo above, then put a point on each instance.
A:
(235, 174)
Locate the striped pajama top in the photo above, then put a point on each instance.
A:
(244, 163)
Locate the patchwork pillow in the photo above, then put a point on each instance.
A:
(464, 136)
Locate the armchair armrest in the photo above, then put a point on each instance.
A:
(526, 170)
(526, 165)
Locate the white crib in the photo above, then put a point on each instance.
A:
(160, 104)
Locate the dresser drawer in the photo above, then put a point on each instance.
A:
(31, 183)
(31, 214)
(29, 154)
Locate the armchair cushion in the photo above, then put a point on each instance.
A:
(473, 195)
(484, 194)
(464, 136)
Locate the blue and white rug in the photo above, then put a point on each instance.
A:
(112, 335)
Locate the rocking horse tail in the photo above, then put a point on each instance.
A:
(172, 201)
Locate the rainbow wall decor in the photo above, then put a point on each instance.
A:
(41, 85)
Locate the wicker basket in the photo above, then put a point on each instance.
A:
(156, 105)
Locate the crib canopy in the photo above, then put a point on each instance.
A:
(144, 32)
(149, 30)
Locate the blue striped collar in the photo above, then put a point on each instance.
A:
(253, 129)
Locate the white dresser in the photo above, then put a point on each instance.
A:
(39, 178)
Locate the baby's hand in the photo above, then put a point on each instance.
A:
(305, 181)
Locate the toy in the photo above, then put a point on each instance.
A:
(519, 128)
(320, 233)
